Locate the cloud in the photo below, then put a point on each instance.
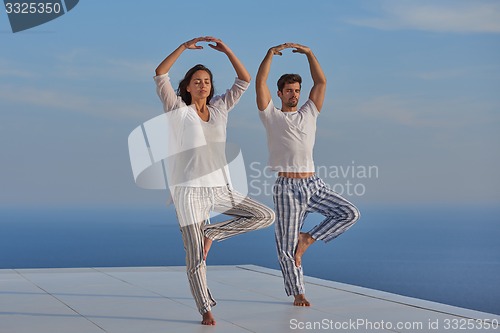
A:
(58, 85)
(449, 16)
(7, 69)
(393, 109)
(85, 64)
(63, 100)
(456, 73)
(443, 74)
(422, 112)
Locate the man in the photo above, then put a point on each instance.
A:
(298, 191)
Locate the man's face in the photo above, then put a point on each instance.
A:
(290, 94)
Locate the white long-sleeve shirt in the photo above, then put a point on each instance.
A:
(197, 149)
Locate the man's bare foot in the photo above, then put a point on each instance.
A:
(305, 240)
(207, 242)
(300, 300)
(208, 319)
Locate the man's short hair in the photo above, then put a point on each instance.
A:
(288, 78)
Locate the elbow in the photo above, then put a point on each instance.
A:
(245, 77)
(320, 84)
(160, 71)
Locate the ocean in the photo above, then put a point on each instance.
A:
(447, 254)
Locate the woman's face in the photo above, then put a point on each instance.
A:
(200, 85)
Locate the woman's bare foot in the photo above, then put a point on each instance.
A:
(208, 319)
(207, 242)
(305, 240)
(300, 300)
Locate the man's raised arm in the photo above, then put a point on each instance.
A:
(262, 90)
(317, 94)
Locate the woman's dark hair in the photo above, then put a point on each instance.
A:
(182, 90)
(288, 78)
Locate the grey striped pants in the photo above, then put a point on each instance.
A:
(294, 198)
(193, 206)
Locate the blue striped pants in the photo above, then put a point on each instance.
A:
(294, 198)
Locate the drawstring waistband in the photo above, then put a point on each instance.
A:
(289, 181)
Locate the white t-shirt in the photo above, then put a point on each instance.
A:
(290, 137)
(199, 158)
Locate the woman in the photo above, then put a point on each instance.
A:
(200, 130)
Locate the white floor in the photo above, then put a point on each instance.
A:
(250, 299)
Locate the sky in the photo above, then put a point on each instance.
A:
(411, 115)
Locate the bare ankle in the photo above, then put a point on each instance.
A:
(307, 238)
(300, 300)
(208, 319)
(207, 243)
